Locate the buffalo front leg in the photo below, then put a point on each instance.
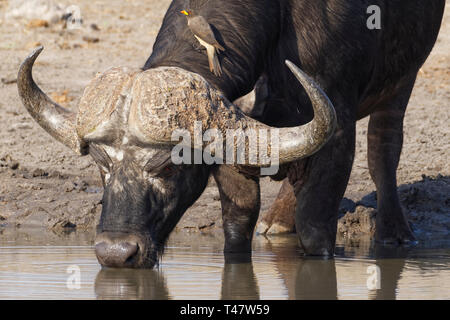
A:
(385, 140)
(240, 198)
(319, 190)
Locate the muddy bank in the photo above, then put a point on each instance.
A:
(44, 184)
(426, 203)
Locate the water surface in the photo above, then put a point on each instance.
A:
(41, 265)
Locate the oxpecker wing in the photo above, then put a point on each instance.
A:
(205, 35)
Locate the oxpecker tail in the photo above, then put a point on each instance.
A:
(214, 63)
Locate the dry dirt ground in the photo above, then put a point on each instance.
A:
(44, 184)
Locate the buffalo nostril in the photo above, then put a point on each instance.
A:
(118, 255)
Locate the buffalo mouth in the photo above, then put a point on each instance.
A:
(125, 250)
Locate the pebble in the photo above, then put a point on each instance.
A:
(95, 27)
(89, 39)
(38, 23)
(9, 80)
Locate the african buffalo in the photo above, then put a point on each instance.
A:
(126, 117)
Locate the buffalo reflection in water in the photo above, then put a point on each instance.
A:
(304, 278)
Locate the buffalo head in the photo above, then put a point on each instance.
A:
(125, 122)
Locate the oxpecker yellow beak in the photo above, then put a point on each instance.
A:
(186, 13)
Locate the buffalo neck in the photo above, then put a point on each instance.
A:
(246, 34)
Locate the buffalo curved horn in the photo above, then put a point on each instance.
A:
(303, 141)
(300, 142)
(59, 122)
(187, 99)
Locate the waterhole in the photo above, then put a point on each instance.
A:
(40, 265)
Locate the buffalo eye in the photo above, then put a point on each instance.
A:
(160, 165)
(168, 171)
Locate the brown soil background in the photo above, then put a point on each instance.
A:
(44, 184)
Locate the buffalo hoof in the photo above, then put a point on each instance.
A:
(394, 231)
(275, 228)
(318, 247)
(397, 237)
